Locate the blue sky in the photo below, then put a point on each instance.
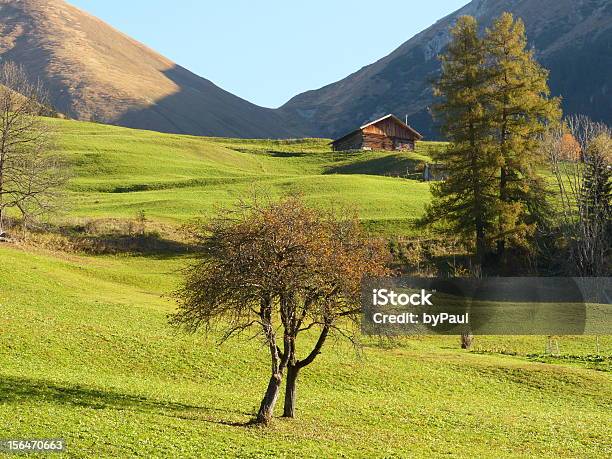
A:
(268, 51)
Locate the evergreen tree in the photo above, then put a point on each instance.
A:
(465, 202)
(597, 181)
(519, 108)
(595, 198)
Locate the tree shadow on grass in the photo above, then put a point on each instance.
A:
(148, 245)
(392, 165)
(286, 154)
(107, 236)
(17, 390)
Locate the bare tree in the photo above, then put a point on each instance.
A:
(580, 154)
(285, 269)
(30, 174)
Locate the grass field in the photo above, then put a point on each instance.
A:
(118, 172)
(87, 354)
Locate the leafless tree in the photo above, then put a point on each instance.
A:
(30, 173)
(284, 269)
(580, 153)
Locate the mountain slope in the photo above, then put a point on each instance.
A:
(96, 73)
(572, 38)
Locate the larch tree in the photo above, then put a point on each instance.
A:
(286, 269)
(520, 109)
(465, 203)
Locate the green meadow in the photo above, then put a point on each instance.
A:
(87, 354)
(118, 172)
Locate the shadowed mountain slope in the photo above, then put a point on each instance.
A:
(572, 38)
(96, 73)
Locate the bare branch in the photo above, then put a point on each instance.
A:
(30, 175)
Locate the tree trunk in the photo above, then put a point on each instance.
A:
(481, 245)
(466, 340)
(290, 390)
(266, 409)
(503, 183)
(477, 210)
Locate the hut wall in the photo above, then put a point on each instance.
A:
(382, 142)
(390, 128)
(387, 134)
(351, 142)
(377, 142)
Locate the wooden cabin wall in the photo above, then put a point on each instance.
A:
(387, 134)
(351, 142)
(377, 142)
(382, 142)
(390, 128)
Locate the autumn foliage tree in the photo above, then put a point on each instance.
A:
(287, 270)
(493, 106)
(520, 109)
(465, 202)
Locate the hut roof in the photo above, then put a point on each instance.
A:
(414, 132)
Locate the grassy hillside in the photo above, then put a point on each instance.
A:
(87, 355)
(118, 172)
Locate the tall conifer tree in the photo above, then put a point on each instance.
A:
(519, 108)
(465, 202)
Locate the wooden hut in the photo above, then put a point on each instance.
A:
(386, 133)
